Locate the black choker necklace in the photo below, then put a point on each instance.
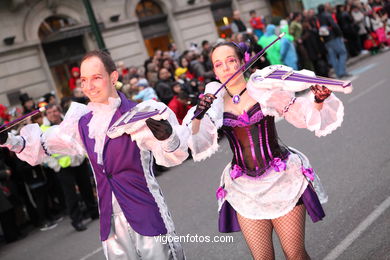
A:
(235, 98)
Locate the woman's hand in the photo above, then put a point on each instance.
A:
(204, 104)
(161, 129)
(320, 93)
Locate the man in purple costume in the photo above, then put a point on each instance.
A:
(132, 208)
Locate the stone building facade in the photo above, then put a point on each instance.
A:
(40, 40)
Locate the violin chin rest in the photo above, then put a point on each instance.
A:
(348, 90)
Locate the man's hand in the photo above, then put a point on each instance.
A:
(161, 129)
(204, 104)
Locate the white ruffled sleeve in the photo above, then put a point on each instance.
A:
(299, 111)
(169, 152)
(32, 145)
(204, 143)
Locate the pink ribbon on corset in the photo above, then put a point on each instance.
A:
(244, 118)
(278, 164)
(236, 172)
(221, 193)
(308, 172)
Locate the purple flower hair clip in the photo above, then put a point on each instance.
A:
(247, 57)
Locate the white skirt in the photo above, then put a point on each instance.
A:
(269, 196)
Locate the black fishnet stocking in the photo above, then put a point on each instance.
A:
(291, 232)
(289, 228)
(258, 236)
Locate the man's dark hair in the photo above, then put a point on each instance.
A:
(204, 42)
(105, 58)
(47, 97)
(321, 8)
(252, 12)
(65, 103)
(295, 15)
(50, 106)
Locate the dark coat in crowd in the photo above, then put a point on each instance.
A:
(164, 90)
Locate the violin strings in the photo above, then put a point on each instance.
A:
(278, 75)
(281, 73)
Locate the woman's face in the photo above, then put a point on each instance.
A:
(176, 88)
(184, 62)
(166, 64)
(225, 63)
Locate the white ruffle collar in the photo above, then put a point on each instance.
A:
(101, 117)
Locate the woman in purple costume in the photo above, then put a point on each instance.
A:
(267, 186)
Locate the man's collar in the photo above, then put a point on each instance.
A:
(126, 104)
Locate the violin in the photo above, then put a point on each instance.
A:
(285, 78)
(127, 120)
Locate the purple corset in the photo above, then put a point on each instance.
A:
(254, 142)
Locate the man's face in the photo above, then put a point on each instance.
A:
(133, 84)
(96, 83)
(52, 100)
(75, 74)
(164, 74)
(29, 104)
(236, 15)
(53, 115)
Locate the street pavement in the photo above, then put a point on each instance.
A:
(353, 163)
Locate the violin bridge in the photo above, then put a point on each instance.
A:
(288, 74)
(271, 70)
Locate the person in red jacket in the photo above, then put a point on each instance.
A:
(257, 24)
(75, 76)
(179, 104)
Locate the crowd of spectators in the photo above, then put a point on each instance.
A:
(317, 41)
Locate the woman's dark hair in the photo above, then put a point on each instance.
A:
(239, 48)
(295, 15)
(104, 57)
(180, 60)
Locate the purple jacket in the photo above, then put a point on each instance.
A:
(123, 174)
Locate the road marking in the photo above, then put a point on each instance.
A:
(348, 240)
(362, 69)
(92, 253)
(367, 90)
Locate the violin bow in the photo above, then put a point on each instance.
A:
(19, 120)
(244, 67)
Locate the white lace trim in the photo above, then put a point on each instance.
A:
(154, 189)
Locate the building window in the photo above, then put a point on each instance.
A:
(147, 8)
(54, 24)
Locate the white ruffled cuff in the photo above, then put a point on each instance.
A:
(34, 151)
(15, 143)
(329, 118)
(204, 143)
(171, 144)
